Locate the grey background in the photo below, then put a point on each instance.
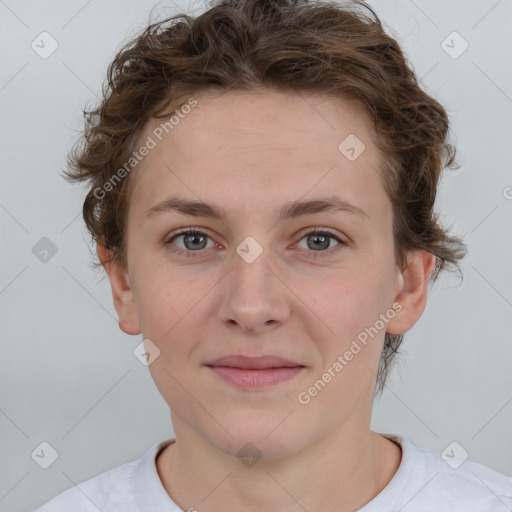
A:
(68, 375)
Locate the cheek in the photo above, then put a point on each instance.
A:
(345, 299)
(172, 312)
(350, 353)
(164, 295)
(169, 320)
(351, 308)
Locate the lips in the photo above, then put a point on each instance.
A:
(255, 373)
(253, 363)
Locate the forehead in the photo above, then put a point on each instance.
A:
(259, 148)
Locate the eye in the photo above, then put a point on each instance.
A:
(319, 240)
(193, 241)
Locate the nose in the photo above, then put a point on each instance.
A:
(254, 298)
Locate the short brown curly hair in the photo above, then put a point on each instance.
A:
(340, 50)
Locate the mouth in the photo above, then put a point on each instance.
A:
(255, 372)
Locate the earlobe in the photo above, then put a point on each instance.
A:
(412, 294)
(122, 292)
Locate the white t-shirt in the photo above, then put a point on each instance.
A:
(424, 482)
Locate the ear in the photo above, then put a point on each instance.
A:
(412, 286)
(122, 293)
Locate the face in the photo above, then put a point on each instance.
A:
(254, 282)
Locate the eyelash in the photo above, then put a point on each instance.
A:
(315, 231)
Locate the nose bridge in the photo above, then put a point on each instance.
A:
(254, 296)
(251, 269)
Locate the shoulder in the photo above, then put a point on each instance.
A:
(105, 492)
(119, 488)
(453, 481)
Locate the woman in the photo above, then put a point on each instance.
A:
(261, 183)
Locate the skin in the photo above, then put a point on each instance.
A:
(250, 153)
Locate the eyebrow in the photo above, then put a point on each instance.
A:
(289, 210)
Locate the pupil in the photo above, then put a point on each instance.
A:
(325, 239)
(193, 237)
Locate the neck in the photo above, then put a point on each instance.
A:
(335, 473)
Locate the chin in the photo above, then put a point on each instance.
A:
(261, 439)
